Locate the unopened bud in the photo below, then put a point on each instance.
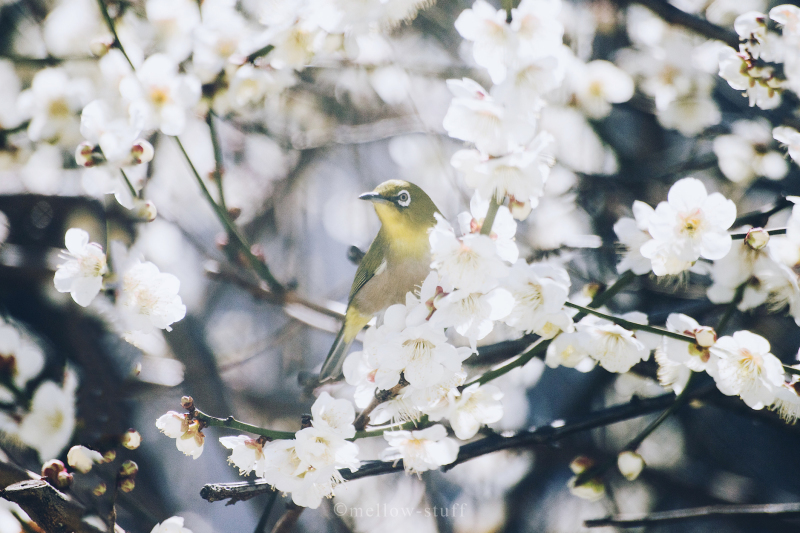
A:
(52, 468)
(705, 336)
(757, 238)
(128, 469)
(145, 210)
(87, 155)
(519, 210)
(258, 251)
(234, 212)
(187, 402)
(63, 480)
(591, 490)
(83, 459)
(109, 456)
(142, 152)
(580, 464)
(630, 464)
(100, 489)
(127, 484)
(590, 290)
(101, 45)
(131, 439)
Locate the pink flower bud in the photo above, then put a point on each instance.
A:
(705, 336)
(131, 439)
(142, 152)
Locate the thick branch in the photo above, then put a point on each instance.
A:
(53, 511)
(543, 435)
(780, 510)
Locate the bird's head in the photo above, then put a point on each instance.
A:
(402, 206)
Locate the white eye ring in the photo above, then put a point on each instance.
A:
(404, 198)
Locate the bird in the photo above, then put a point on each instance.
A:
(398, 260)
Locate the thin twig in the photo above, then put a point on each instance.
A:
(761, 216)
(633, 325)
(743, 235)
(218, 168)
(232, 423)
(110, 23)
(778, 510)
(260, 268)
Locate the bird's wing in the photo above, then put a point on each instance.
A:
(368, 266)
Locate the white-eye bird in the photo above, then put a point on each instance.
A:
(398, 260)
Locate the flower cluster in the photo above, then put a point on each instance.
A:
(308, 465)
(146, 299)
(691, 224)
(767, 62)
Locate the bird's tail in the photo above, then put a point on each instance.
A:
(332, 367)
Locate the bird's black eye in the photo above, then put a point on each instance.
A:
(404, 198)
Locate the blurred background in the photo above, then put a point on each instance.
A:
(295, 163)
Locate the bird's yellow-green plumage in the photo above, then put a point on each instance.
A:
(397, 261)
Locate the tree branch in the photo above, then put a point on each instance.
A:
(673, 15)
(543, 435)
(779, 510)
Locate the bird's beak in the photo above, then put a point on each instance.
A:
(373, 197)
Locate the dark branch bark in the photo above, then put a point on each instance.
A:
(539, 436)
(52, 510)
(673, 15)
(779, 510)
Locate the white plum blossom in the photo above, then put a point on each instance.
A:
(504, 227)
(690, 225)
(787, 402)
(420, 450)
(221, 34)
(20, 356)
(598, 84)
(83, 459)
(246, 453)
(360, 374)
(743, 264)
(615, 348)
(171, 525)
(159, 95)
(320, 448)
(742, 365)
(334, 416)
(521, 174)
(49, 424)
(421, 353)
(468, 410)
(632, 234)
(470, 263)
(745, 154)
(82, 274)
(758, 82)
(476, 117)
(539, 291)
(52, 102)
(570, 349)
(789, 137)
(149, 298)
(173, 22)
(677, 359)
(473, 314)
(188, 434)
